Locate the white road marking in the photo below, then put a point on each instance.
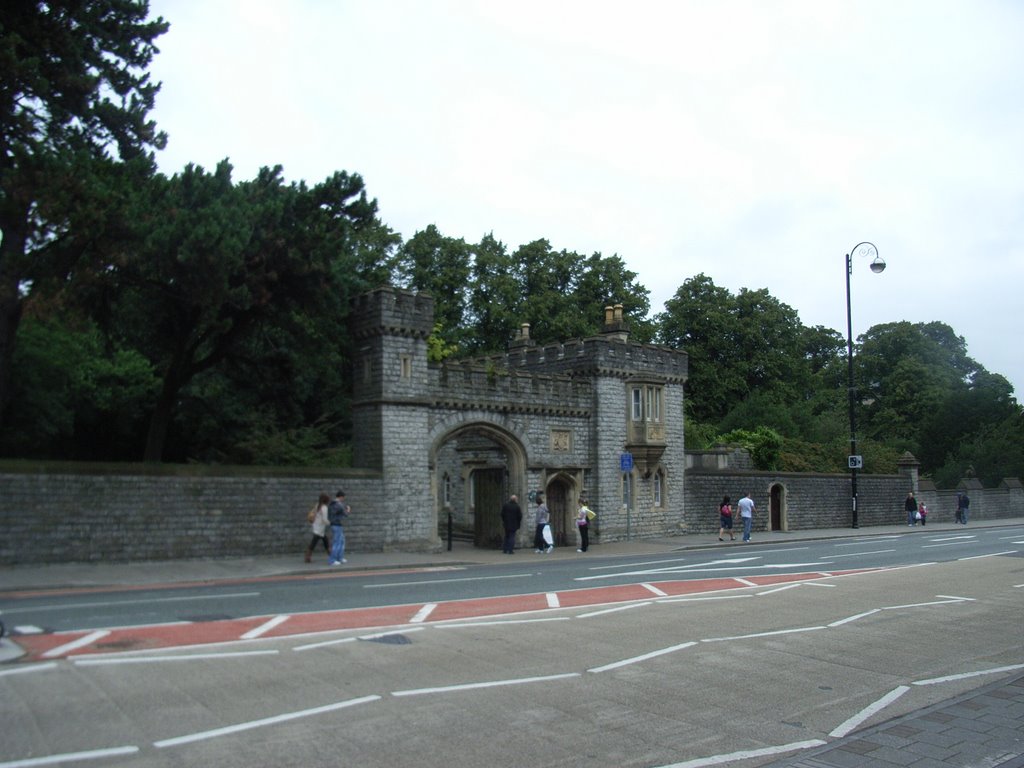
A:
(613, 610)
(74, 645)
(746, 754)
(862, 542)
(491, 684)
(423, 613)
(90, 662)
(114, 603)
(44, 667)
(702, 599)
(67, 757)
(643, 657)
(795, 630)
(844, 728)
(848, 619)
(654, 589)
(325, 643)
(966, 675)
(747, 582)
(955, 597)
(994, 554)
(552, 598)
(954, 538)
(265, 627)
(448, 581)
(261, 723)
(950, 601)
(28, 629)
(497, 622)
(859, 554)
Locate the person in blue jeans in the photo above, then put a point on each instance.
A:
(746, 507)
(962, 504)
(337, 510)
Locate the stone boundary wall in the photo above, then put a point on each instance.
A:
(119, 513)
(823, 500)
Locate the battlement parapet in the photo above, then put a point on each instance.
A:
(486, 381)
(598, 355)
(394, 312)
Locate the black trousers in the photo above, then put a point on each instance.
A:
(312, 544)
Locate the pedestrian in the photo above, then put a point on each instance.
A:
(746, 507)
(511, 519)
(543, 520)
(318, 519)
(583, 517)
(922, 510)
(910, 507)
(337, 511)
(962, 504)
(725, 519)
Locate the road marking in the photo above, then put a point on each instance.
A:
(324, 644)
(644, 657)
(934, 546)
(265, 627)
(28, 629)
(260, 723)
(954, 538)
(848, 619)
(448, 581)
(700, 762)
(30, 668)
(552, 598)
(88, 662)
(95, 754)
(793, 631)
(860, 554)
(994, 554)
(115, 603)
(845, 727)
(954, 597)
(965, 675)
(949, 601)
(702, 599)
(497, 622)
(491, 684)
(872, 540)
(747, 582)
(74, 645)
(654, 589)
(423, 613)
(613, 610)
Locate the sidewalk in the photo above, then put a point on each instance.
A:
(95, 575)
(984, 727)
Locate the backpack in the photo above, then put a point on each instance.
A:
(311, 515)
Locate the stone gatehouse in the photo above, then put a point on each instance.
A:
(599, 418)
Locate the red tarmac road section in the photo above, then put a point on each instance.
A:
(57, 645)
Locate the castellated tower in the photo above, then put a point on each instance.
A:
(389, 329)
(389, 411)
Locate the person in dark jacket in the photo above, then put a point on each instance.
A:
(910, 507)
(511, 519)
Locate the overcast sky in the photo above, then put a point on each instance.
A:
(755, 141)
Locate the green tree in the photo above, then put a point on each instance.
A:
(218, 264)
(440, 265)
(74, 96)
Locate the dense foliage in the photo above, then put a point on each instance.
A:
(196, 317)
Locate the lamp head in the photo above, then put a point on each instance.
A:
(878, 265)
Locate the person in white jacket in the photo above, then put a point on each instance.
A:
(319, 524)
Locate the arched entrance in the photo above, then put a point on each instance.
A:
(485, 465)
(777, 506)
(560, 497)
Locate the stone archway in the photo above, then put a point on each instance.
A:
(561, 493)
(486, 465)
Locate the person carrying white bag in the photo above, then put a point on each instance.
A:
(543, 541)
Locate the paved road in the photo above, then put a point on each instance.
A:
(617, 696)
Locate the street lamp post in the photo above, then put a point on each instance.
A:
(854, 459)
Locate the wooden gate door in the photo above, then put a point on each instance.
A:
(488, 493)
(558, 506)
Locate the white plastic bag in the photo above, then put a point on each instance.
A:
(548, 538)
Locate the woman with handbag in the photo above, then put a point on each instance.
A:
(318, 519)
(583, 518)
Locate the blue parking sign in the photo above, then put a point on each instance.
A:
(626, 462)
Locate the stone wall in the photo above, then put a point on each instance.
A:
(91, 513)
(811, 501)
